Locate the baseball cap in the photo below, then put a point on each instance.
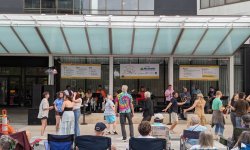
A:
(99, 126)
(159, 116)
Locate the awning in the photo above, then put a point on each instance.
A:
(122, 35)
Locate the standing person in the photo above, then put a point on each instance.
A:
(232, 113)
(44, 111)
(109, 114)
(173, 105)
(101, 97)
(125, 107)
(148, 110)
(68, 91)
(169, 93)
(241, 108)
(140, 99)
(58, 109)
(218, 117)
(68, 119)
(77, 100)
(199, 106)
(89, 101)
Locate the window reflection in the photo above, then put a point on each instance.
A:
(214, 3)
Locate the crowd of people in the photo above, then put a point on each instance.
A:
(68, 105)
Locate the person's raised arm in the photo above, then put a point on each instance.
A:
(169, 105)
(182, 103)
(192, 107)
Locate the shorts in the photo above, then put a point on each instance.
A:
(43, 118)
(174, 117)
(59, 113)
(110, 119)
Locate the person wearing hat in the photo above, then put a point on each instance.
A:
(100, 130)
(199, 105)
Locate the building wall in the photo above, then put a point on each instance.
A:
(241, 8)
(11, 6)
(175, 7)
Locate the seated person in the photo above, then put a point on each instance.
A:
(144, 129)
(159, 129)
(7, 143)
(194, 126)
(205, 141)
(100, 130)
(244, 141)
(246, 121)
(10, 128)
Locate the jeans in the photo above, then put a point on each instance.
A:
(77, 113)
(233, 118)
(238, 122)
(219, 129)
(123, 117)
(99, 104)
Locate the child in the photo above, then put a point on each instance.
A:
(44, 111)
(109, 114)
(174, 110)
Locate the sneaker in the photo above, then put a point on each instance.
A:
(115, 132)
(108, 132)
(124, 139)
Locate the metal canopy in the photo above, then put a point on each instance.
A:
(122, 35)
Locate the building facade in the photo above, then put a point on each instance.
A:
(17, 79)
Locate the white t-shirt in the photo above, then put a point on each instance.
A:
(77, 105)
(204, 148)
(43, 105)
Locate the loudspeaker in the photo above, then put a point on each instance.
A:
(37, 95)
(51, 90)
(33, 120)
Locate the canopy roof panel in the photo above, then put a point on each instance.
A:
(122, 35)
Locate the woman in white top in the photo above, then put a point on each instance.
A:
(77, 100)
(44, 111)
(205, 141)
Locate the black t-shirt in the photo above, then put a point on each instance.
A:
(174, 106)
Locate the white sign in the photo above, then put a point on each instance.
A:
(194, 72)
(139, 71)
(81, 71)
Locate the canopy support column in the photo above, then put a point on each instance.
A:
(111, 74)
(51, 75)
(231, 76)
(171, 70)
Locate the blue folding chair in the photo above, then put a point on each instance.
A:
(147, 143)
(89, 142)
(60, 142)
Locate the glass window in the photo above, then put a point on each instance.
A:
(238, 58)
(65, 4)
(114, 4)
(146, 4)
(32, 4)
(10, 71)
(101, 5)
(216, 3)
(36, 71)
(48, 3)
(86, 4)
(232, 1)
(204, 3)
(130, 4)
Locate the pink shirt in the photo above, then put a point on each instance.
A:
(168, 94)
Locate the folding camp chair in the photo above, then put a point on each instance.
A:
(60, 142)
(23, 142)
(147, 143)
(89, 142)
(187, 134)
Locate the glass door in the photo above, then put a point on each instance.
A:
(14, 91)
(3, 91)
